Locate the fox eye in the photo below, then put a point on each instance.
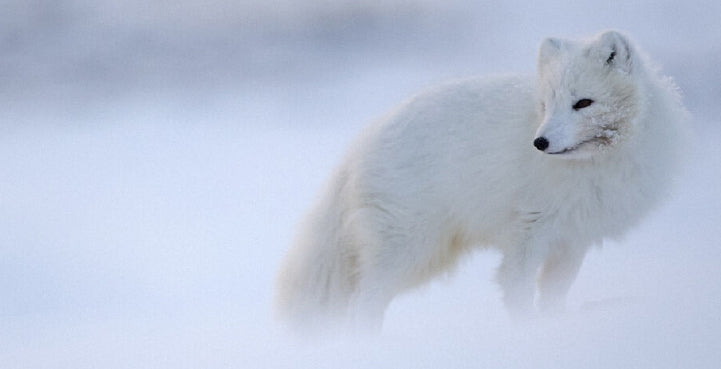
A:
(583, 103)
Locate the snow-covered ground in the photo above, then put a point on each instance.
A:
(153, 170)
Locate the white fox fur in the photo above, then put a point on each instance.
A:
(455, 169)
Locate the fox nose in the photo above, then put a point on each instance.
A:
(541, 143)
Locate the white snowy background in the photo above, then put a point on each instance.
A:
(156, 156)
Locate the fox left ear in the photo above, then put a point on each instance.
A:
(614, 49)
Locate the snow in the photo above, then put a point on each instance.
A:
(155, 164)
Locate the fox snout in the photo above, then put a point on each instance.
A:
(554, 134)
(559, 135)
(541, 143)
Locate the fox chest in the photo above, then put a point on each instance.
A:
(591, 210)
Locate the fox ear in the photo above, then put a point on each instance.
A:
(614, 49)
(549, 49)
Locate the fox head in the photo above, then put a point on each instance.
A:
(588, 95)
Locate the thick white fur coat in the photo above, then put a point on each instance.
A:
(455, 168)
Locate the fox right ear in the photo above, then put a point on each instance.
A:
(549, 49)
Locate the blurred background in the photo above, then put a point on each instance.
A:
(156, 156)
(75, 53)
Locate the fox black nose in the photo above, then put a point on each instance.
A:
(541, 143)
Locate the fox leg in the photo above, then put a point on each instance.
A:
(382, 268)
(517, 275)
(558, 272)
(368, 305)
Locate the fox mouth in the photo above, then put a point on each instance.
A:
(598, 141)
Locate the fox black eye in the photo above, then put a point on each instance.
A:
(583, 103)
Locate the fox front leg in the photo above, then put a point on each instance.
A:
(517, 278)
(557, 274)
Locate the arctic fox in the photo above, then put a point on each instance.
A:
(541, 170)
